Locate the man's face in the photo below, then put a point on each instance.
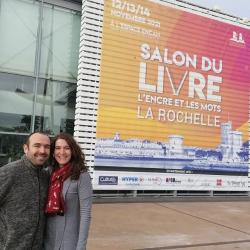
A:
(38, 149)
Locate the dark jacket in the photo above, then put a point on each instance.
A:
(23, 190)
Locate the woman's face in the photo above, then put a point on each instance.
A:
(62, 152)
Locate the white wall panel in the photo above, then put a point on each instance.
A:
(88, 77)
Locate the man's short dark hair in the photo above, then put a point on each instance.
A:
(27, 141)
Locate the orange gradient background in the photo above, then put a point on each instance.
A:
(179, 31)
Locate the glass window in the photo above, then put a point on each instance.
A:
(11, 147)
(16, 100)
(52, 101)
(18, 31)
(55, 106)
(60, 43)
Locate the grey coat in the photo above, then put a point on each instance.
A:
(70, 232)
(23, 190)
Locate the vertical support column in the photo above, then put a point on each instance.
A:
(134, 192)
(88, 78)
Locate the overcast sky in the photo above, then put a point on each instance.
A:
(239, 8)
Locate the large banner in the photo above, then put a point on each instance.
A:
(174, 96)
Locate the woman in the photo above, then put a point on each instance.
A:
(69, 197)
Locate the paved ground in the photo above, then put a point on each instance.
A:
(170, 225)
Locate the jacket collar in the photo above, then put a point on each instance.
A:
(29, 164)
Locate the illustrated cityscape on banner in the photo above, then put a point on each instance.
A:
(174, 91)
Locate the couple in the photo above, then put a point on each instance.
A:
(26, 200)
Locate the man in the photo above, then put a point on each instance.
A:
(23, 190)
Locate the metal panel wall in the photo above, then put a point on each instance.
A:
(88, 77)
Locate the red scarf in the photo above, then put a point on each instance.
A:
(55, 201)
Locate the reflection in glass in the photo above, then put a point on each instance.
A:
(16, 99)
(27, 80)
(55, 106)
(60, 43)
(11, 147)
(15, 123)
(18, 29)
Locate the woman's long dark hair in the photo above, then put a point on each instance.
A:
(77, 160)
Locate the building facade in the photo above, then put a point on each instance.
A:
(61, 60)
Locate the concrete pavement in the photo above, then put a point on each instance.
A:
(170, 225)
